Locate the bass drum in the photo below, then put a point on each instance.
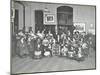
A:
(37, 54)
(71, 54)
(47, 53)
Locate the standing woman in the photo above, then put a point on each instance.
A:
(31, 42)
(22, 44)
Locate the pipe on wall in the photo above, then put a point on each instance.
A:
(23, 14)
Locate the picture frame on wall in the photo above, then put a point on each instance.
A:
(79, 26)
(49, 18)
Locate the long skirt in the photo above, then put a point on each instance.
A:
(22, 49)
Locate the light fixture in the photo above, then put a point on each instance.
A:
(46, 10)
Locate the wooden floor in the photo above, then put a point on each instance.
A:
(29, 65)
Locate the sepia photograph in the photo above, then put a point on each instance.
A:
(52, 37)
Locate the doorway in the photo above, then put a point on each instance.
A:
(65, 19)
(38, 20)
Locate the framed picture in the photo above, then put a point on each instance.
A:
(50, 45)
(48, 18)
(79, 27)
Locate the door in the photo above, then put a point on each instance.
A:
(65, 19)
(38, 20)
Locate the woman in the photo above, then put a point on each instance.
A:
(71, 52)
(46, 47)
(38, 48)
(30, 42)
(22, 46)
(64, 50)
(80, 55)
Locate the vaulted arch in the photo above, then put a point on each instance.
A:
(65, 19)
(65, 15)
(65, 9)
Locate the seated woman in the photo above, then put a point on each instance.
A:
(55, 49)
(47, 52)
(80, 55)
(76, 35)
(64, 50)
(85, 49)
(71, 52)
(38, 48)
(46, 47)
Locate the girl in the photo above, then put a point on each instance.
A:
(64, 50)
(38, 49)
(71, 52)
(46, 47)
(80, 56)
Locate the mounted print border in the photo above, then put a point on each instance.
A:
(43, 38)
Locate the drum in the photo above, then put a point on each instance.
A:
(37, 54)
(47, 53)
(71, 54)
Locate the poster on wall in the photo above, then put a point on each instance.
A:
(49, 18)
(79, 27)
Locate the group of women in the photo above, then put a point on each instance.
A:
(42, 44)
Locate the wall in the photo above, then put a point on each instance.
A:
(84, 14)
(30, 13)
(19, 7)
